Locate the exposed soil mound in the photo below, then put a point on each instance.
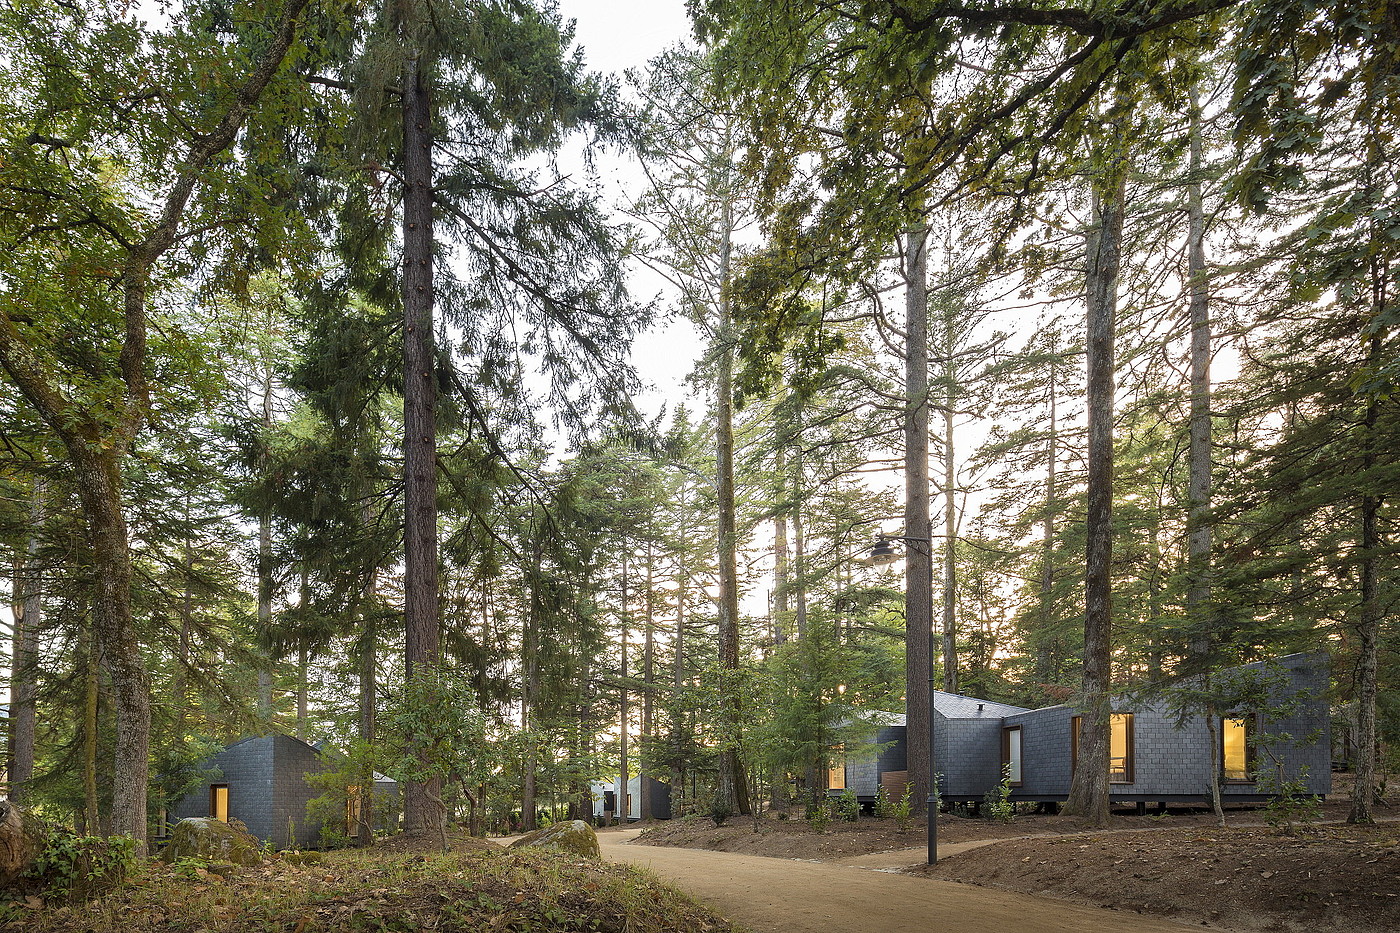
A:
(1336, 878)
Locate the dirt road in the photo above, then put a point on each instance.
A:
(785, 896)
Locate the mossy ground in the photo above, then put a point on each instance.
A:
(381, 890)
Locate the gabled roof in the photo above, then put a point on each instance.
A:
(957, 706)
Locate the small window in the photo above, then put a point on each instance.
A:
(836, 771)
(218, 802)
(1237, 750)
(352, 810)
(1011, 754)
(1120, 747)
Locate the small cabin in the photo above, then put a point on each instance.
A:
(1156, 755)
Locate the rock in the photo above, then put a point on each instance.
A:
(213, 841)
(575, 837)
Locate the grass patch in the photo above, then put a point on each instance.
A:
(509, 892)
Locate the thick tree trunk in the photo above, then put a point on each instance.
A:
(918, 563)
(115, 638)
(1089, 789)
(423, 810)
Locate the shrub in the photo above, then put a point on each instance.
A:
(884, 807)
(903, 811)
(720, 810)
(848, 806)
(819, 818)
(74, 866)
(997, 803)
(1291, 807)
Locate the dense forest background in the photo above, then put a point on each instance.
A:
(317, 416)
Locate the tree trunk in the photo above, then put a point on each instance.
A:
(91, 697)
(423, 811)
(733, 788)
(114, 636)
(918, 562)
(1198, 536)
(1089, 789)
(799, 548)
(1047, 658)
(950, 521)
(530, 691)
(24, 675)
(648, 670)
(265, 561)
(624, 810)
(782, 577)
(1368, 627)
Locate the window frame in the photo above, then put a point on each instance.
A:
(836, 766)
(1129, 772)
(214, 802)
(1020, 752)
(1251, 751)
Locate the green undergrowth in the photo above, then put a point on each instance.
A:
(509, 892)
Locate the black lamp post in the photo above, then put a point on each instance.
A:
(883, 552)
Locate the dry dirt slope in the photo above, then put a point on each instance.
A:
(787, 896)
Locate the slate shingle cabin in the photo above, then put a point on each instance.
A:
(262, 781)
(1153, 759)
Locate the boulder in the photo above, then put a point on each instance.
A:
(574, 836)
(214, 841)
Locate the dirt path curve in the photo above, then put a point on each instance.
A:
(772, 895)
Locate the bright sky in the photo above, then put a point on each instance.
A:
(617, 35)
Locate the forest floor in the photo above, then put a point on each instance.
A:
(405, 885)
(1252, 877)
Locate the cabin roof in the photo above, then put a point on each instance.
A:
(957, 706)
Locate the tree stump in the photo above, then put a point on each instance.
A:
(22, 838)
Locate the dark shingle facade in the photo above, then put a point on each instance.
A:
(267, 789)
(1169, 755)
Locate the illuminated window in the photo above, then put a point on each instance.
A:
(1011, 753)
(352, 810)
(1236, 751)
(836, 772)
(218, 802)
(1120, 747)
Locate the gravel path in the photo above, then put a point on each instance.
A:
(772, 895)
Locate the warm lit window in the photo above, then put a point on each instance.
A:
(1120, 747)
(218, 802)
(1011, 753)
(352, 809)
(836, 772)
(1237, 756)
